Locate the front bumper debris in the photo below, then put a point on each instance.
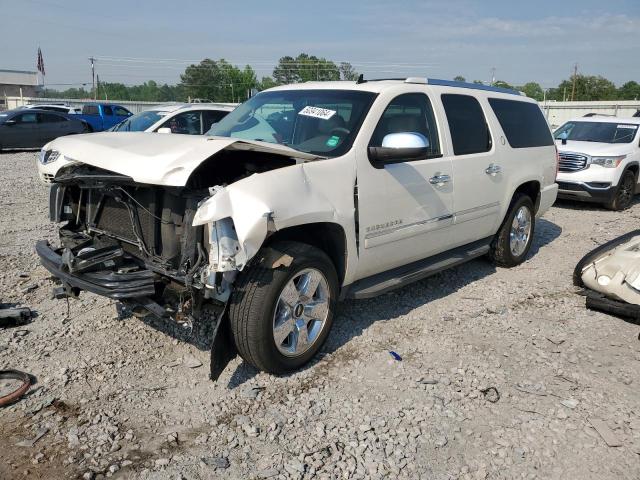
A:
(610, 276)
(105, 282)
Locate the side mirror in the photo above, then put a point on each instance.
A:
(164, 130)
(399, 147)
(10, 122)
(563, 136)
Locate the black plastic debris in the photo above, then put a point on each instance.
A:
(395, 356)
(14, 316)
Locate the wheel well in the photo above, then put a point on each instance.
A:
(634, 168)
(532, 190)
(328, 237)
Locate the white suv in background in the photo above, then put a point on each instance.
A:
(599, 159)
(304, 195)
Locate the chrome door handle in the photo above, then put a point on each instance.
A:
(493, 169)
(439, 179)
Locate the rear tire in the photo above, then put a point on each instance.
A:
(513, 241)
(268, 302)
(624, 192)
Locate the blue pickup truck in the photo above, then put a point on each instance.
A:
(102, 116)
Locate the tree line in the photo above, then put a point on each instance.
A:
(221, 81)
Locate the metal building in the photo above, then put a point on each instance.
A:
(18, 83)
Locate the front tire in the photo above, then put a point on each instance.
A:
(624, 192)
(280, 317)
(513, 241)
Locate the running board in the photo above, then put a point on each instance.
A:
(398, 277)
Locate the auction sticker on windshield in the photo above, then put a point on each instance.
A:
(317, 112)
(632, 127)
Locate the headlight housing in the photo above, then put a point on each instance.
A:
(608, 162)
(48, 156)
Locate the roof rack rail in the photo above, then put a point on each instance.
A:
(474, 86)
(444, 83)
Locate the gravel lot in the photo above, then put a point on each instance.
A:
(131, 399)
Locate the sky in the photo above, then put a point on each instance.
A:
(139, 40)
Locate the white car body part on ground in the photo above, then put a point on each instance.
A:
(616, 272)
(592, 170)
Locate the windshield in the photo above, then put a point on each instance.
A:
(140, 121)
(601, 132)
(322, 122)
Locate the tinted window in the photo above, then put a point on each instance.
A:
(323, 122)
(522, 123)
(26, 118)
(123, 112)
(410, 112)
(469, 131)
(51, 118)
(107, 110)
(599, 132)
(209, 117)
(90, 110)
(186, 123)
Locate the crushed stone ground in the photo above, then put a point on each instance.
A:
(504, 374)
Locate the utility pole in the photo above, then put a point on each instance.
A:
(493, 75)
(93, 76)
(573, 87)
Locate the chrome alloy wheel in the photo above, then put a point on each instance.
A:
(301, 312)
(520, 231)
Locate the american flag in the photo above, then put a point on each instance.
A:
(40, 62)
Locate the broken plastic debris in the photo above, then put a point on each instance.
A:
(395, 356)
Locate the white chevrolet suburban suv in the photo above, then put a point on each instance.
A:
(304, 195)
(599, 158)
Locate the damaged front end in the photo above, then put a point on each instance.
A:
(137, 244)
(610, 275)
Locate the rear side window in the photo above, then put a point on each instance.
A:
(522, 123)
(51, 118)
(469, 130)
(90, 110)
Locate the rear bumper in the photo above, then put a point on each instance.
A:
(104, 282)
(586, 191)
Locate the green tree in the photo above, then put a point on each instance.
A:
(459, 78)
(266, 82)
(503, 84)
(304, 68)
(629, 91)
(347, 72)
(588, 88)
(533, 90)
(218, 81)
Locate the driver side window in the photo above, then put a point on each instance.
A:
(409, 112)
(186, 123)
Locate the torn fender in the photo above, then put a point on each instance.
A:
(294, 195)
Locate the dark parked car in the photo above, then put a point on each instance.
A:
(33, 128)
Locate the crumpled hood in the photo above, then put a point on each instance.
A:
(157, 158)
(595, 149)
